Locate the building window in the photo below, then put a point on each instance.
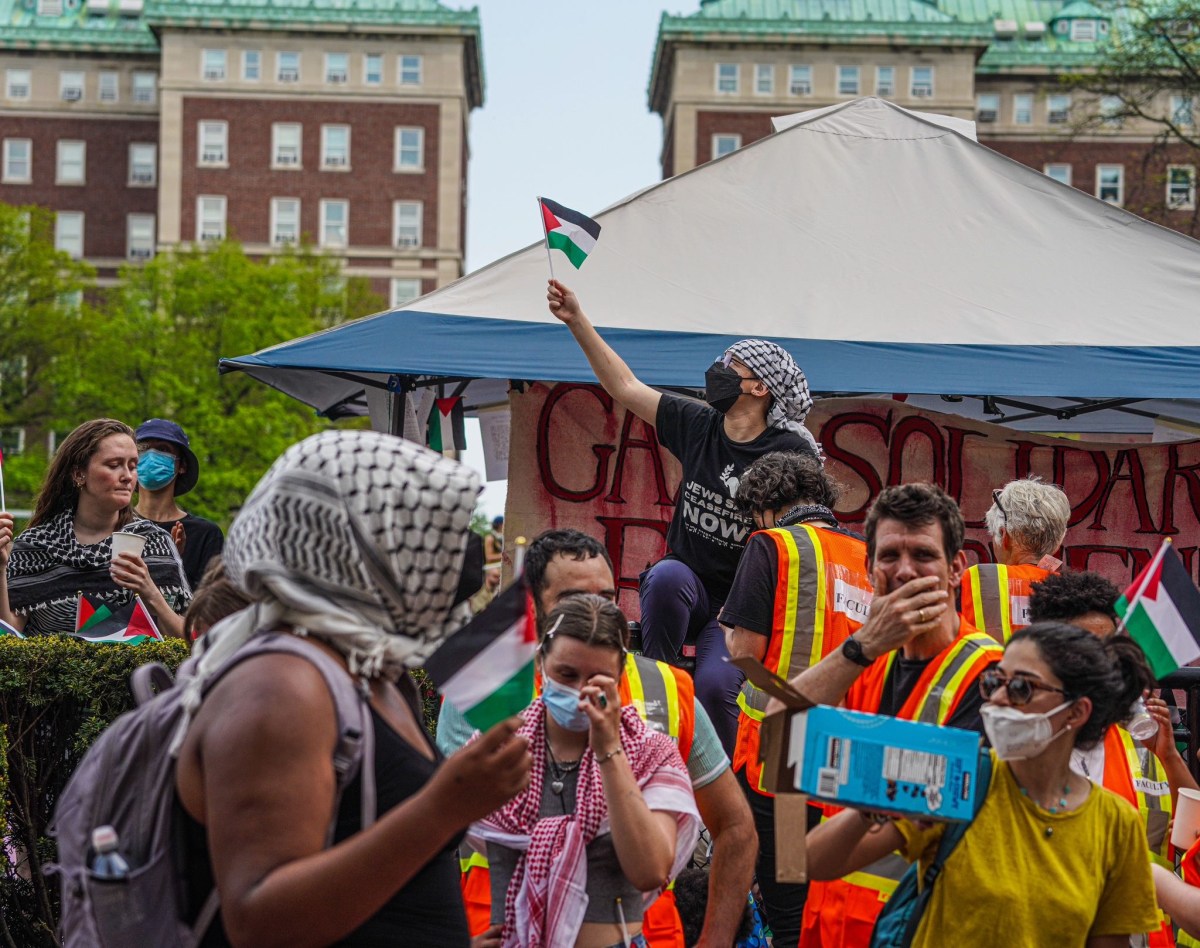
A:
(68, 233)
(144, 87)
(410, 70)
(727, 78)
(16, 84)
(108, 86)
(212, 64)
(285, 221)
(287, 67)
(18, 164)
(987, 108)
(71, 163)
(335, 223)
(764, 79)
(1058, 109)
(847, 80)
(922, 82)
(143, 161)
(410, 149)
(885, 80)
(1183, 112)
(1181, 187)
(251, 65)
(49, 7)
(139, 231)
(372, 69)
(1059, 172)
(285, 145)
(335, 146)
(12, 441)
(1022, 110)
(723, 145)
(800, 80)
(337, 68)
(70, 86)
(1084, 31)
(1111, 107)
(405, 290)
(406, 216)
(210, 217)
(214, 139)
(1110, 183)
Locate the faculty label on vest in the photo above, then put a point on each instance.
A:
(851, 601)
(1020, 611)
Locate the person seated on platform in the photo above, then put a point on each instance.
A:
(608, 818)
(1027, 522)
(757, 400)
(67, 548)
(564, 562)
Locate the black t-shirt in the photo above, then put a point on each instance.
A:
(903, 678)
(202, 541)
(707, 531)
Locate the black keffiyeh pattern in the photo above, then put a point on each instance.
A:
(785, 380)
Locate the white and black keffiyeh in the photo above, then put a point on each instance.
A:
(356, 538)
(784, 379)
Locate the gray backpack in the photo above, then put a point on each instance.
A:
(127, 780)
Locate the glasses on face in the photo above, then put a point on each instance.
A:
(1000, 506)
(1020, 689)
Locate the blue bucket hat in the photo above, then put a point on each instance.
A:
(159, 429)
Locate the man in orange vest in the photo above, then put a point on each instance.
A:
(913, 658)
(801, 590)
(560, 563)
(1027, 522)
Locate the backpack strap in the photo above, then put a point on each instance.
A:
(150, 680)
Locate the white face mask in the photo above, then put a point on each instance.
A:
(1015, 735)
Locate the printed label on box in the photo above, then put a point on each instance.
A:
(910, 766)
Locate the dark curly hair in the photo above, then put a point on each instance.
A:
(1065, 596)
(917, 505)
(545, 546)
(1112, 672)
(781, 479)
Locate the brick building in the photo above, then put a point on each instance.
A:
(719, 74)
(184, 121)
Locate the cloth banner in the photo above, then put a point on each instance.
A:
(577, 460)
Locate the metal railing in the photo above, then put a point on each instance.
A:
(1187, 731)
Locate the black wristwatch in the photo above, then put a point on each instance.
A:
(852, 650)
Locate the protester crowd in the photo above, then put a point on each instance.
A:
(575, 823)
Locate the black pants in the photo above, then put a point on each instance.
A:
(783, 902)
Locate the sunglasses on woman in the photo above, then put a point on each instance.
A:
(1020, 689)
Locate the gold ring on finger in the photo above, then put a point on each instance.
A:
(921, 616)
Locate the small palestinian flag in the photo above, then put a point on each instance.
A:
(1161, 612)
(486, 668)
(573, 233)
(447, 426)
(129, 624)
(6, 629)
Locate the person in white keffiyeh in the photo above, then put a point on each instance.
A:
(757, 399)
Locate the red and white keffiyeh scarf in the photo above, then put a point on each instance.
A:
(547, 895)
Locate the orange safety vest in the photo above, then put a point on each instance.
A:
(842, 913)
(995, 598)
(822, 593)
(1133, 772)
(665, 697)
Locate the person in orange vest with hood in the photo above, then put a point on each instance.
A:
(1027, 522)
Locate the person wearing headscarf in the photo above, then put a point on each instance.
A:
(756, 400)
(354, 541)
(67, 550)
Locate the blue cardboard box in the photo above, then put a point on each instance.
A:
(876, 762)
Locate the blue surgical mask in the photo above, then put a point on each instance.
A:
(155, 469)
(563, 704)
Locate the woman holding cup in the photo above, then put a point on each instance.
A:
(83, 539)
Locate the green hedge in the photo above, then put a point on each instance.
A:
(56, 695)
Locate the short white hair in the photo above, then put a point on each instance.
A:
(1034, 514)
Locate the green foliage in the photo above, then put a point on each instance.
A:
(56, 695)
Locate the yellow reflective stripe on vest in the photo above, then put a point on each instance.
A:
(1153, 808)
(672, 689)
(655, 693)
(817, 652)
(948, 682)
(883, 875)
(993, 609)
(636, 696)
(474, 861)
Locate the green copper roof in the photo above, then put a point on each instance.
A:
(21, 27)
(221, 13)
(1081, 10)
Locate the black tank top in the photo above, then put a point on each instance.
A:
(427, 913)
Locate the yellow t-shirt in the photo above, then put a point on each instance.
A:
(1008, 883)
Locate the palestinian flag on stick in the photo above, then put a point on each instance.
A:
(447, 425)
(6, 629)
(486, 668)
(573, 233)
(129, 624)
(1161, 612)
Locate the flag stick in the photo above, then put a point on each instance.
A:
(3, 505)
(519, 556)
(546, 233)
(1137, 596)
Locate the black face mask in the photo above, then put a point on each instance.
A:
(722, 386)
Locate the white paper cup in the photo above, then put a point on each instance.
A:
(127, 543)
(1187, 819)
